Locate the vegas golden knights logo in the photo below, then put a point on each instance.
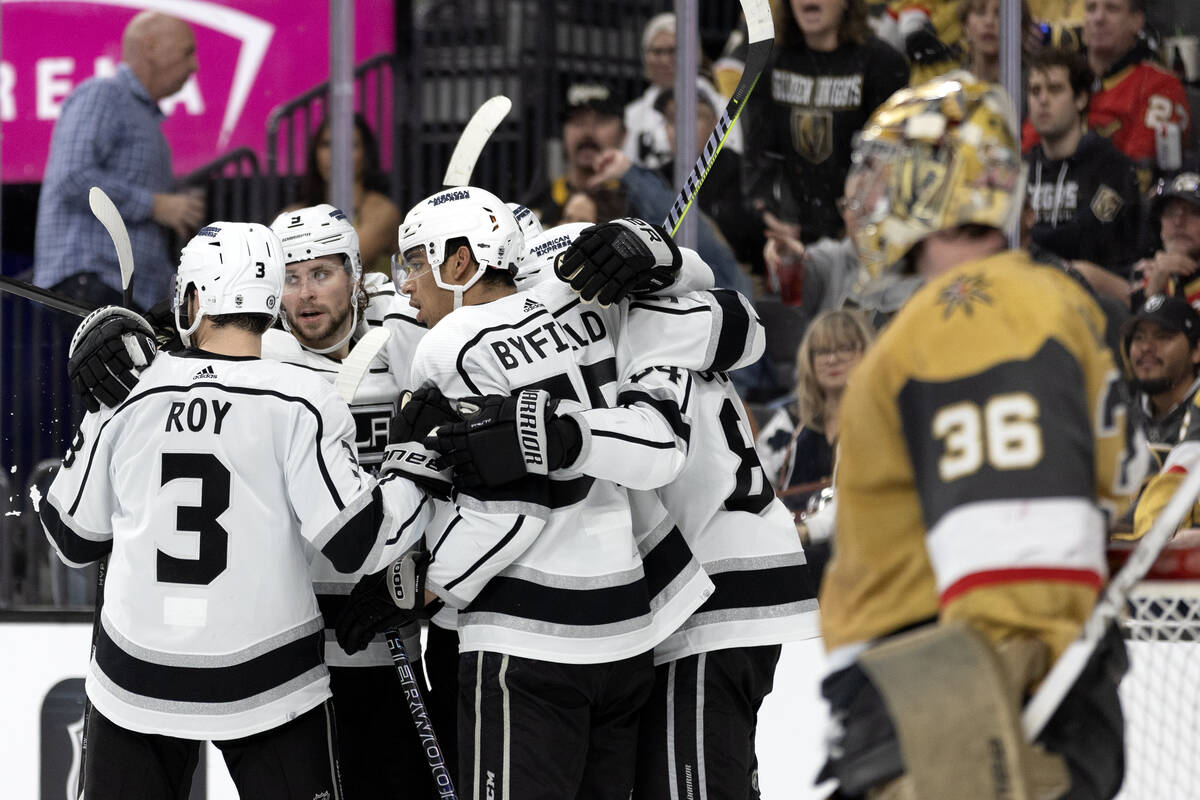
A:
(812, 134)
(1106, 203)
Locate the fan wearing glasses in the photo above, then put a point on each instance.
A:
(1172, 270)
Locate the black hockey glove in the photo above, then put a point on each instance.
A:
(386, 599)
(609, 262)
(421, 412)
(503, 439)
(108, 351)
(924, 48)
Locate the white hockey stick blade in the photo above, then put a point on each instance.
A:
(355, 366)
(761, 36)
(475, 135)
(110, 218)
(1066, 670)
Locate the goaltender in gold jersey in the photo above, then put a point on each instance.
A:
(985, 442)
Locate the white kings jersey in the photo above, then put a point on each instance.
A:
(577, 593)
(213, 485)
(685, 433)
(372, 409)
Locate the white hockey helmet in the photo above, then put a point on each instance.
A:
(466, 212)
(233, 268)
(537, 262)
(531, 226)
(316, 231)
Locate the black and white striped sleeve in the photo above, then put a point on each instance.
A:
(643, 442)
(76, 512)
(713, 331)
(358, 524)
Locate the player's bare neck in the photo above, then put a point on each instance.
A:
(228, 340)
(485, 293)
(945, 250)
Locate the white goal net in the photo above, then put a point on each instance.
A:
(1160, 694)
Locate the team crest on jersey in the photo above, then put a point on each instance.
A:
(964, 292)
(1106, 203)
(812, 134)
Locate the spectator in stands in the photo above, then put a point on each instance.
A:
(980, 20)
(722, 198)
(646, 141)
(592, 124)
(109, 135)
(601, 204)
(1162, 343)
(1135, 99)
(1081, 188)
(375, 218)
(1162, 346)
(828, 74)
(1176, 210)
(829, 268)
(797, 444)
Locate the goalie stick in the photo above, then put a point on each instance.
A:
(761, 35)
(1070, 664)
(475, 135)
(430, 746)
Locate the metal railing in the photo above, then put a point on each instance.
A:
(232, 186)
(291, 126)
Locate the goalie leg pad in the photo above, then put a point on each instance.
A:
(957, 720)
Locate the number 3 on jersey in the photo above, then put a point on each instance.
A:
(1005, 433)
(213, 540)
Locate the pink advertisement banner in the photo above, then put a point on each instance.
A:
(254, 55)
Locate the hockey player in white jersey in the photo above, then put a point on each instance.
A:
(555, 628)
(685, 434)
(211, 486)
(327, 308)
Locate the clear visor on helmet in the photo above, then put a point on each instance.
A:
(408, 266)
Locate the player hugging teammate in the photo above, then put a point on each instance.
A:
(536, 483)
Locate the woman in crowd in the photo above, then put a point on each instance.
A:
(828, 74)
(796, 446)
(981, 34)
(645, 136)
(374, 216)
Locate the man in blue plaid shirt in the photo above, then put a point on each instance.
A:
(110, 135)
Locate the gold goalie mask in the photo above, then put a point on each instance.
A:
(933, 157)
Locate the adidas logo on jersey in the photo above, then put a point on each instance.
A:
(531, 305)
(208, 373)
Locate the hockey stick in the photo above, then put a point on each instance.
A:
(58, 302)
(1070, 664)
(475, 135)
(416, 706)
(761, 30)
(110, 218)
(354, 368)
(104, 210)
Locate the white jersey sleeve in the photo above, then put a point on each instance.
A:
(643, 442)
(357, 524)
(716, 330)
(78, 508)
